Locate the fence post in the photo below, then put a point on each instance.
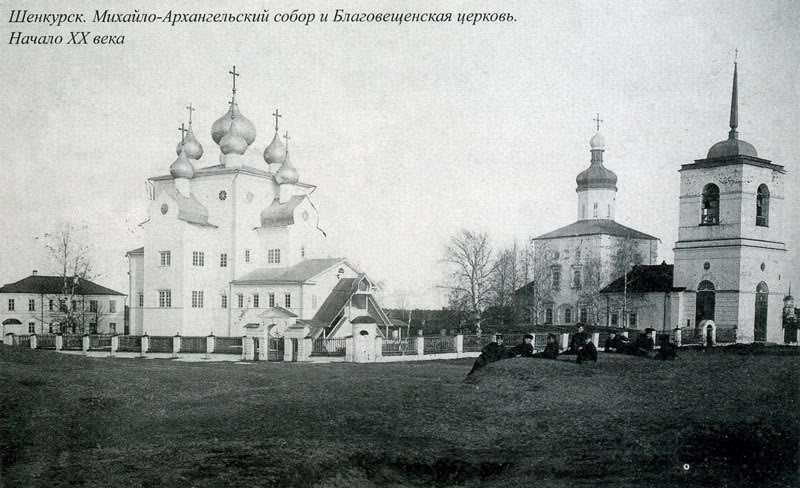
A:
(459, 345)
(564, 340)
(34, 341)
(176, 345)
(420, 346)
(86, 344)
(59, 342)
(247, 349)
(210, 342)
(145, 344)
(678, 336)
(114, 345)
(596, 339)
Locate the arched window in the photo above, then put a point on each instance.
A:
(710, 211)
(705, 303)
(762, 206)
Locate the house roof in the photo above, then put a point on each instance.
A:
(595, 227)
(299, 273)
(645, 279)
(364, 319)
(333, 304)
(280, 214)
(219, 169)
(189, 208)
(54, 285)
(138, 250)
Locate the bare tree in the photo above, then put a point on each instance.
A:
(506, 280)
(538, 261)
(595, 277)
(470, 267)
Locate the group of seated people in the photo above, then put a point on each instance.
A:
(644, 345)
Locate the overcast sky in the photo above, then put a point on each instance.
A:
(410, 131)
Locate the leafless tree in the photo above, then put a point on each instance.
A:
(538, 261)
(470, 263)
(594, 278)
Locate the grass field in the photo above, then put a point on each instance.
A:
(709, 419)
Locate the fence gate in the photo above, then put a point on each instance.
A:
(275, 349)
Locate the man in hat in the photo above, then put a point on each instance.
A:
(644, 344)
(551, 349)
(494, 351)
(611, 342)
(578, 340)
(587, 352)
(524, 349)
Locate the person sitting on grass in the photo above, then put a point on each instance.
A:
(667, 349)
(644, 344)
(524, 349)
(612, 344)
(551, 349)
(494, 351)
(587, 352)
(578, 340)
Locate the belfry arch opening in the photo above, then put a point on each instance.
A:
(710, 206)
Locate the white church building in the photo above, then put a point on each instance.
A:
(233, 245)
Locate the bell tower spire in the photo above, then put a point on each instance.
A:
(734, 101)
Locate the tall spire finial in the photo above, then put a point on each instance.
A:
(183, 131)
(234, 74)
(191, 109)
(598, 120)
(286, 136)
(276, 115)
(734, 100)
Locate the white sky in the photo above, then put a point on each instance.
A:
(411, 132)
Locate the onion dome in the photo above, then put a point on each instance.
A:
(182, 167)
(234, 140)
(597, 175)
(275, 153)
(192, 146)
(223, 124)
(287, 173)
(733, 146)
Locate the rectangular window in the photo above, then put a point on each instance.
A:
(548, 316)
(126, 329)
(595, 210)
(112, 327)
(614, 319)
(31, 327)
(93, 306)
(556, 279)
(50, 305)
(31, 305)
(271, 300)
(198, 258)
(632, 319)
(10, 304)
(164, 298)
(568, 316)
(62, 304)
(93, 327)
(576, 279)
(255, 300)
(224, 301)
(141, 299)
(274, 256)
(165, 258)
(197, 299)
(240, 300)
(584, 315)
(287, 300)
(223, 260)
(247, 255)
(313, 301)
(112, 306)
(51, 328)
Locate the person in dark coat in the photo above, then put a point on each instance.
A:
(644, 344)
(551, 349)
(524, 349)
(612, 344)
(667, 349)
(494, 351)
(577, 341)
(587, 352)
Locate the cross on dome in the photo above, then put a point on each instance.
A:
(234, 74)
(277, 116)
(598, 120)
(286, 136)
(183, 130)
(191, 109)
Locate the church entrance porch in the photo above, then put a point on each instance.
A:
(760, 319)
(705, 303)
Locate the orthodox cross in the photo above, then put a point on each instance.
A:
(598, 120)
(183, 131)
(191, 109)
(286, 136)
(234, 74)
(276, 115)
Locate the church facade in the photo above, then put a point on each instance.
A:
(233, 246)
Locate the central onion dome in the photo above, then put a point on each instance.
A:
(223, 125)
(287, 173)
(191, 145)
(182, 167)
(234, 140)
(597, 175)
(275, 153)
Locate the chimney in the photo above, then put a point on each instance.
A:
(35, 272)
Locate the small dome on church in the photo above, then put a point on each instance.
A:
(597, 141)
(223, 124)
(182, 167)
(275, 153)
(234, 140)
(192, 146)
(732, 147)
(287, 173)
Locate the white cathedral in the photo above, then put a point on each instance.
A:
(233, 246)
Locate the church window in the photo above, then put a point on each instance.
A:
(240, 300)
(584, 316)
(198, 258)
(556, 255)
(567, 315)
(566, 253)
(31, 305)
(583, 212)
(594, 211)
(576, 279)
(577, 254)
(31, 327)
(287, 300)
(141, 299)
(762, 206)
(271, 300)
(223, 195)
(247, 255)
(615, 319)
(224, 301)
(93, 306)
(51, 328)
(223, 260)
(608, 215)
(197, 299)
(632, 319)
(112, 306)
(274, 256)
(112, 327)
(164, 298)
(710, 210)
(93, 327)
(50, 305)
(548, 315)
(164, 258)
(255, 300)
(556, 279)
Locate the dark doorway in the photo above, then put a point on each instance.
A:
(704, 307)
(760, 322)
(295, 347)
